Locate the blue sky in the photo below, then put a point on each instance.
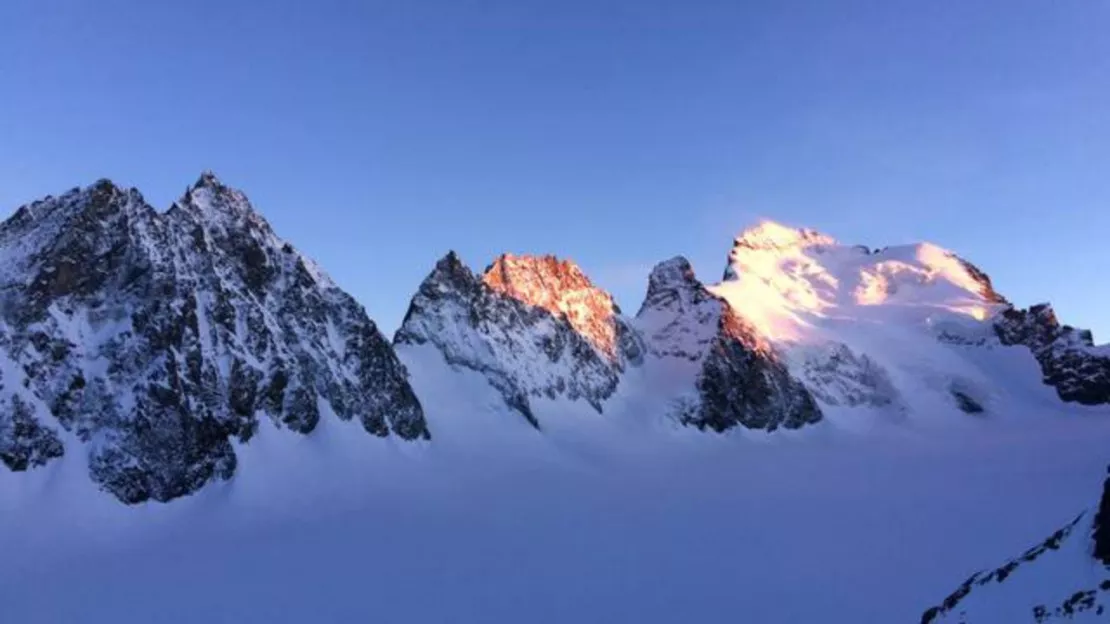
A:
(378, 135)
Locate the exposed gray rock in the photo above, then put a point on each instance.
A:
(741, 379)
(1070, 362)
(24, 441)
(158, 337)
(836, 375)
(533, 326)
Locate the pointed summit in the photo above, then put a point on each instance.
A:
(213, 202)
(451, 267)
(774, 238)
(773, 235)
(450, 283)
(207, 179)
(672, 283)
(561, 288)
(227, 326)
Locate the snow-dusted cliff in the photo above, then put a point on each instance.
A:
(150, 341)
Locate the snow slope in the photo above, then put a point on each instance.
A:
(909, 328)
(647, 480)
(1064, 578)
(583, 522)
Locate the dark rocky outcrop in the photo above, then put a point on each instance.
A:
(1100, 530)
(24, 441)
(743, 383)
(740, 380)
(158, 338)
(1069, 360)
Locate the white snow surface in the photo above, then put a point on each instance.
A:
(915, 312)
(594, 520)
(1047, 582)
(872, 515)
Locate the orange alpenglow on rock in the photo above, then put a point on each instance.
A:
(561, 288)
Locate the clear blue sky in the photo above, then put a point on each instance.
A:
(378, 135)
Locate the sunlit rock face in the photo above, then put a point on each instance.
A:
(534, 326)
(560, 287)
(155, 339)
(738, 376)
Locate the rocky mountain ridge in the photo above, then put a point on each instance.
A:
(153, 343)
(533, 326)
(156, 341)
(1064, 578)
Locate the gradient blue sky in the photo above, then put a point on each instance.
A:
(378, 135)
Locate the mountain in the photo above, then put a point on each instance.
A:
(153, 343)
(533, 326)
(536, 327)
(828, 431)
(1064, 578)
(910, 328)
(738, 376)
(800, 327)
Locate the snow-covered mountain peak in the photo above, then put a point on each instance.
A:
(561, 288)
(783, 279)
(213, 201)
(450, 272)
(533, 326)
(672, 281)
(207, 179)
(153, 339)
(773, 235)
(52, 238)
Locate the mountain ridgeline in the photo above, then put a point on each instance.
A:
(151, 345)
(1065, 578)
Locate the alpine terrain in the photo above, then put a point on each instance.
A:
(147, 342)
(1065, 578)
(829, 432)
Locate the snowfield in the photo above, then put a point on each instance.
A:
(857, 519)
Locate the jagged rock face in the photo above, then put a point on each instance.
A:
(744, 383)
(836, 375)
(679, 316)
(1069, 361)
(517, 326)
(25, 440)
(561, 288)
(157, 338)
(741, 380)
(986, 288)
